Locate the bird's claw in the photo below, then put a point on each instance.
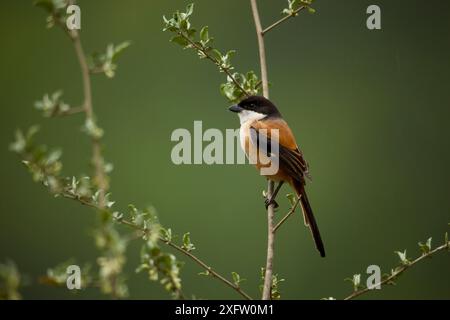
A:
(268, 202)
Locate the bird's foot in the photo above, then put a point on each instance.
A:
(268, 202)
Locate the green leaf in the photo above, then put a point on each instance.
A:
(119, 49)
(237, 278)
(355, 280)
(179, 40)
(91, 128)
(109, 203)
(167, 234)
(187, 245)
(292, 199)
(275, 291)
(217, 54)
(106, 62)
(189, 9)
(425, 247)
(403, 258)
(117, 215)
(10, 281)
(52, 105)
(204, 35)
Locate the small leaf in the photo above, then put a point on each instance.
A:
(236, 278)
(403, 259)
(292, 199)
(187, 245)
(355, 280)
(179, 40)
(167, 234)
(118, 216)
(189, 9)
(91, 128)
(425, 247)
(204, 34)
(204, 273)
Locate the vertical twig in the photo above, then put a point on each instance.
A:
(262, 49)
(270, 210)
(97, 159)
(100, 177)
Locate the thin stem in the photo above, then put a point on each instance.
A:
(400, 271)
(97, 159)
(72, 111)
(267, 287)
(197, 260)
(262, 50)
(208, 268)
(274, 25)
(291, 211)
(96, 70)
(69, 112)
(100, 176)
(206, 53)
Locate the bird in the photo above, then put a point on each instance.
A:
(260, 120)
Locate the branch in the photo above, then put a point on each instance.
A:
(400, 270)
(208, 55)
(72, 111)
(97, 160)
(291, 211)
(100, 177)
(208, 269)
(197, 260)
(270, 210)
(276, 24)
(262, 50)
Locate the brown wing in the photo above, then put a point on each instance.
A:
(290, 157)
(286, 138)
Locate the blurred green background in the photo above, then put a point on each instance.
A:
(370, 110)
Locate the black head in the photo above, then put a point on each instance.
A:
(257, 104)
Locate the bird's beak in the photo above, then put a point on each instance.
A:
(235, 108)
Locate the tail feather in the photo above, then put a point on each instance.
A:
(308, 216)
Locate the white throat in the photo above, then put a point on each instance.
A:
(250, 116)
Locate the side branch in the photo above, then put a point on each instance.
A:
(262, 49)
(197, 260)
(97, 159)
(402, 269)
(208, 269)
(276, 24)
(291, 211)
(208, 56)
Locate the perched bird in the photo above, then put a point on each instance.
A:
(259, 117)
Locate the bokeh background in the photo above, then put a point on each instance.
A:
(370, 110)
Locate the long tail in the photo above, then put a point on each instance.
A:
(308, 215)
